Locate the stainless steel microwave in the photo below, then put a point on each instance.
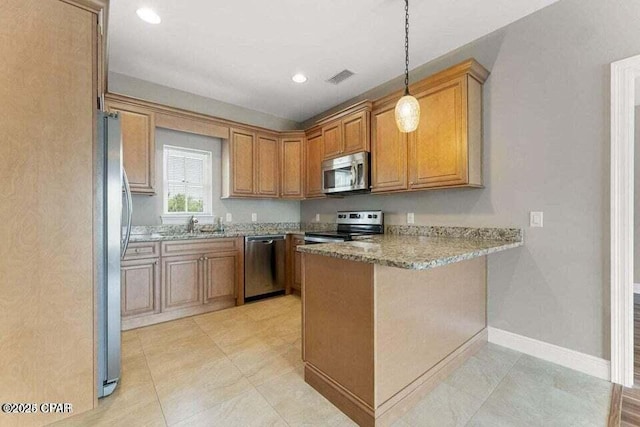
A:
(346, 174)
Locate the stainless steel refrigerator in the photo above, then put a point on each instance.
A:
(113, 225)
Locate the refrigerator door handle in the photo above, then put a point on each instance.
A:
(127, 234)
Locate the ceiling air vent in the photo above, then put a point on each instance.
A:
(340, 77)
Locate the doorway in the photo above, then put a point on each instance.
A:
(624, 75)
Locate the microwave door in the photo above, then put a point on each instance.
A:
(338, 178)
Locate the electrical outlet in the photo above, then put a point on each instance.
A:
(317, 217)
(411, 218)
(229, 217)
(536, 219)
(254, 217)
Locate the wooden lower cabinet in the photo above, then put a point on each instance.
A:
(140, 287)
(190, 277)
(181, 282)
(220, 277)
(294, 263)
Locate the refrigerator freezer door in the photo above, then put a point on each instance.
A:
(109, 201)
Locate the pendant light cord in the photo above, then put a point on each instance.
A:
(406, 47)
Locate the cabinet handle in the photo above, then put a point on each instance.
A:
(206, 258)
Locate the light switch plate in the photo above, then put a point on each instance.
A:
(254, 217)
(317, 217)
(411, 218)
(536, 219)
(229, 217)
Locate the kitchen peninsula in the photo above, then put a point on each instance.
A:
(386, 318)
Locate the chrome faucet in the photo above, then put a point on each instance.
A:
(191, 225)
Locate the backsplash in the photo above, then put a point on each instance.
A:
(483, 233)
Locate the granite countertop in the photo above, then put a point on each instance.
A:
(415, 252)
(166, 233)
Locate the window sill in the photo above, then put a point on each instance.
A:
(182, 219)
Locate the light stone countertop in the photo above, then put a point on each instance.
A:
(167, 233)
(411, 252)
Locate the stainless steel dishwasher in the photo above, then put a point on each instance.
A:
(264, 267)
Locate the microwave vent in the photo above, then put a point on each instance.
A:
(340, 77)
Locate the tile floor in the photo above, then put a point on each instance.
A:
(242, 367)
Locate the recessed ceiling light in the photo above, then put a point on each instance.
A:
(148, 15)
(299, 78)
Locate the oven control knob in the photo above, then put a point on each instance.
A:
(370, 216)
(375, 216)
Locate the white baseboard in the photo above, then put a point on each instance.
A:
(581, 362)
(636, 288)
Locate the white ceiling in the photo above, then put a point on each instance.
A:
(245, 51)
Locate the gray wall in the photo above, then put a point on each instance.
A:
(131, 86)
(147, 209)
(546, 147)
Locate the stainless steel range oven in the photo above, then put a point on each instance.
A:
(350, 225)
(346, 174)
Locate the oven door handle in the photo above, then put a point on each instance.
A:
(314, 239)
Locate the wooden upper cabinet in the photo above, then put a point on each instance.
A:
(355, 133)
(138, 145)
(267, 176)
(313, 166)
(446, 148)
(292, 167)
(438, 148)
(388, 153)
(332, 138)
(241, 147)
(347, 132)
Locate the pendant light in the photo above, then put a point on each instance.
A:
(407, 108)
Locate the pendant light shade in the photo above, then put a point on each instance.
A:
(407, 114)
(407, 108)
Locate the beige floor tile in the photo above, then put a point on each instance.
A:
(262, 310)
(192, 392)
(299, 404)
(444, 406)
(261, 366)
(165, 334)
(143, 415)
(246, 410)
(134, 398)
(182, 355)
(131, 345)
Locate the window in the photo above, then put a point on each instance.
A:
(187, 181)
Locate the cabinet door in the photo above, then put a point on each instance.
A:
(297, 264)
(138, 146)
(140, 287)
(332, 138)
(313, 166)
(267, 166)
(291, 163)
(220, 276)
(355, 133)
(242, 162)
(388, 153)
(181, 282)
(438, 148)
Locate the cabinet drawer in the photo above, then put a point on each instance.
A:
(140, 250)
(187, 247)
